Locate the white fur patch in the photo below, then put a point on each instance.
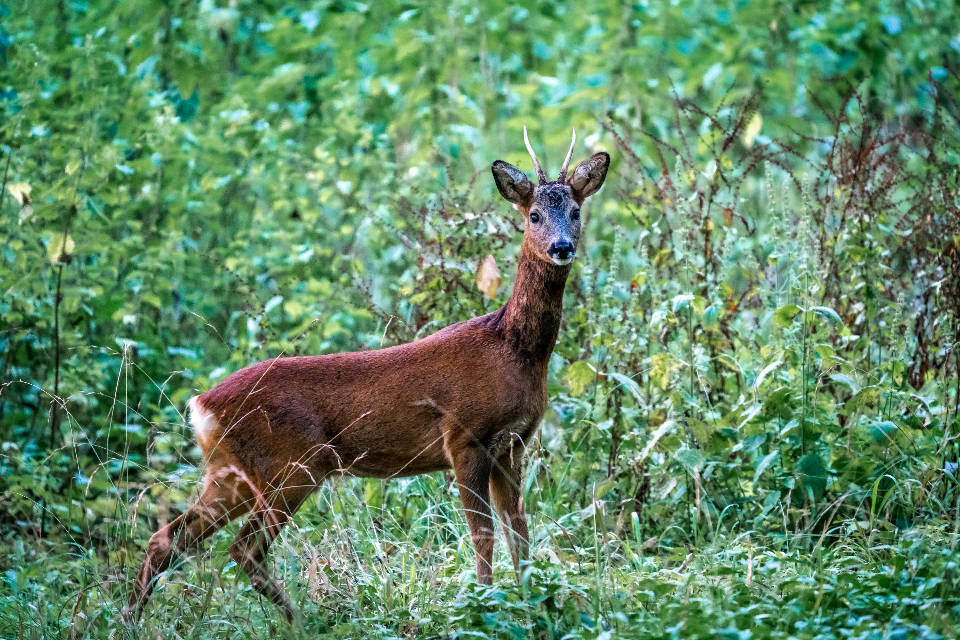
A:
(204, 424)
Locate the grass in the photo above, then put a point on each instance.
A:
(368, 558)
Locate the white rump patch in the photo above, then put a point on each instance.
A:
(204, 424)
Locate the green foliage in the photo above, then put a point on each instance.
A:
(753, 416)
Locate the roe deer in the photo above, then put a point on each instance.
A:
(468, 397)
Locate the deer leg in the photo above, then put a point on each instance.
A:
(249, 548)
(226, 495)
(505, 488)
(472, 468)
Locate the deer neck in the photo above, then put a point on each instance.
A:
(531, 317)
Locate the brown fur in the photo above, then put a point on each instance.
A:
(467, 398)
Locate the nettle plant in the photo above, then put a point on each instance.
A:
(736, 372)
(462, 242)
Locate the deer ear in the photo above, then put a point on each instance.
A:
(589, 175)
(512, 183)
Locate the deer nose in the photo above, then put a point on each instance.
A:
(561, 250)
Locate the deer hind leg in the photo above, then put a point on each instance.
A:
(472, 468)
(506, 491)
(227, 494)
(249, 548)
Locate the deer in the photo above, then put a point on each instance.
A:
(469, 398)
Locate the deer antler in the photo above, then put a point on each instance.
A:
(541, 176)
(566, 161)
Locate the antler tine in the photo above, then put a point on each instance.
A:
(566, 161)
(541, 176)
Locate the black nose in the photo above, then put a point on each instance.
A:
(561, 250)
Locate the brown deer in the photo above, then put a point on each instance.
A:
(469, 397)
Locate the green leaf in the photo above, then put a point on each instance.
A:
(660, 369)
(20, 191)
(701, 430)
(770, 501)
(682, 301)
(372, 493)
(152, 299)
(752, 129)
(604, 488)
(579, 376)
(271, 303)
(60, 248)
(783, 317)
(882, 431)
(844, 379)
(812, 473)
(629, 384)
(691, 459)
(767, 370)
(764, 464)
(711, 317)
(829, 313)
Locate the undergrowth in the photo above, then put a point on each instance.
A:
(753, 419)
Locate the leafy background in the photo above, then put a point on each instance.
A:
(753, 416)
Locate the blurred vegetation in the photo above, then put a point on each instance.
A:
(753, 422)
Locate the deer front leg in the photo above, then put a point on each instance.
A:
(472, 467)
(505, 488)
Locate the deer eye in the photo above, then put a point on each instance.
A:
(575, 214)
(534, 217)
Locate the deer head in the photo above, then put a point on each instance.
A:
(551, 207)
